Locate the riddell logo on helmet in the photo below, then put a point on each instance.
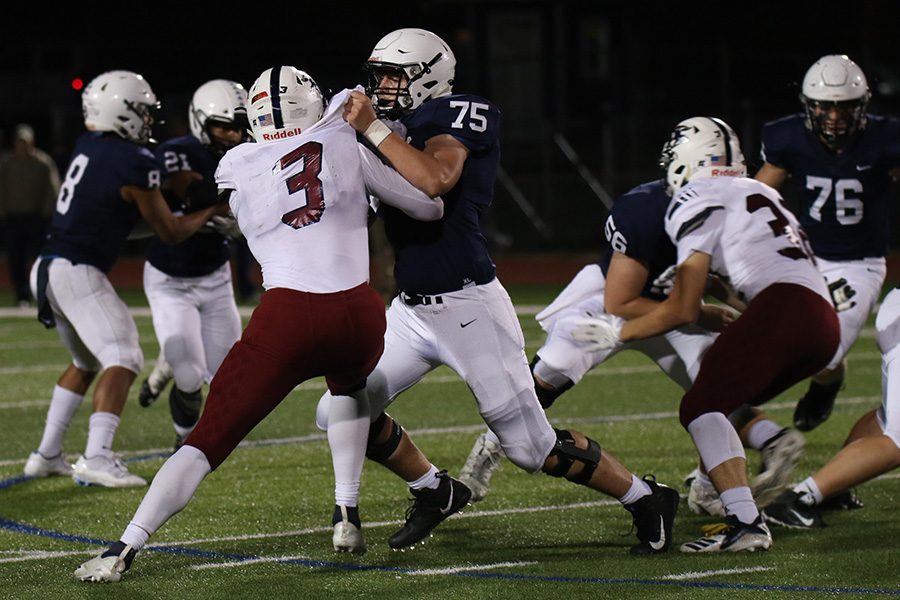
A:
(726, 172)
(280, 135)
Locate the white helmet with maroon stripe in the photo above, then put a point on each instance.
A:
(283, 102)
(701, 147)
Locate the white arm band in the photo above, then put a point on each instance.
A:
(376, 132)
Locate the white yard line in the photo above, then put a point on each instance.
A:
(249, 561)
(700, 574)
(26, 555)
(469, 568)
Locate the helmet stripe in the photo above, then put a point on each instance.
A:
(275, 94)
(727, 137)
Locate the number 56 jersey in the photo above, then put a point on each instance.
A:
(302, 203)
(753, 240)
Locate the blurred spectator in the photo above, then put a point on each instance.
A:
(29, 183)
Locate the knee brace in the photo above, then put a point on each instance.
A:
(380, 452)
(566, 453)
(547, 396)
(185, 407)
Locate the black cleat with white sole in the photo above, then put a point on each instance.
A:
(654, 516)
(428, 509)
(793, 511)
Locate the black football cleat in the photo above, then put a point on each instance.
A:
(793, 511)
(428, 509)
(815, 407)
(653, 517)
(846, 500)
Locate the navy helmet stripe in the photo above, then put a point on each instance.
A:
(727, 137)
(275, 94)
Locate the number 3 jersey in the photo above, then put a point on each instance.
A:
(843, 198)
(92, 220)
(302, 203)
(752, 238)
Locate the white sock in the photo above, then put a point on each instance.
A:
(63, 406)
(172, 488)
(703, 478)
(762, 432)
(428, 480)
(638, 490)
(183, 431)
(809, 486)
(101, 431)
(348, 433)
(739, 502)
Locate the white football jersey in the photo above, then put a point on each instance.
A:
(302, 203)
(753, 240)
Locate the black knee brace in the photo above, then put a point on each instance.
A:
(185, 407)
(547, 396)
(381, 452)
(566, 453)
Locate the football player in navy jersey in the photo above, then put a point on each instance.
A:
(111, 183)
(632, 278)
(189, 284)
(451, 308)
(839, 158)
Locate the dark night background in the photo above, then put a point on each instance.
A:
(609, 79)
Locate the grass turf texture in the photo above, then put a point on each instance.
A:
(533, 536)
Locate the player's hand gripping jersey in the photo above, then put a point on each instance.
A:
(302, 203)
(752, 239)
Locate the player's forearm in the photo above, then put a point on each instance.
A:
(666, 317)
(632, 309)
(419, 168)
(177, 229)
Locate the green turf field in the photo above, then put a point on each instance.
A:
(259, 527)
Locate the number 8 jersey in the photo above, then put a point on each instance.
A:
(843, 197)
(752, 239)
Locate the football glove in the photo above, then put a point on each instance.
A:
(226, 226)
(599, 333)
(841, 294)
(666, 280)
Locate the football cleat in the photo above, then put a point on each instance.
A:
(428, 509)
(653, 517)
(109, 566)
(779, 457)
(105, 470)
(483, 460)
(347, 535)
(732, 536)
(38, 465)
(816, 405)
(794, 511)
(846, 500)
(703, 499)
(153, 386)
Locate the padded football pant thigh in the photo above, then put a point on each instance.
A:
(887, 327)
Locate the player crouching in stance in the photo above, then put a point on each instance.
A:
(300, 195)
(737, 228)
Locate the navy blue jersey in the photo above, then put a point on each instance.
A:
(205, 251)
(449, 254)
(636, 228)
(843, 198)
(92, 220)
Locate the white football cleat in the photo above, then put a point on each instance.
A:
(483, 460)
(38, 465)
(104, 569)
(732, 536)
(105, 470)
(779, 457)
(347, 537)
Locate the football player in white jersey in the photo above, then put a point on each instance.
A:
(111, 184)
(300, 196)
(737, 228)
(872, 448)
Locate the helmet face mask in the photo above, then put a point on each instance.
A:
(284, 102)
(701, 147)
(406, 68)
(218, 115)
(120, 102)
(835, 95)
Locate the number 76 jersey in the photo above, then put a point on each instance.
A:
(753, 240)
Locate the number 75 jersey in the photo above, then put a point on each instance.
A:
(752, 239)
(843, 197)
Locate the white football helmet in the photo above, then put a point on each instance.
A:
(834, 96)
(218, 102)
(121, 102)
(426, 65)
(701, 147)
(284, 102)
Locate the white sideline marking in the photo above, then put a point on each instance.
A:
(25, 555)
(467, 568)
(699, 574)
(249, 561)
